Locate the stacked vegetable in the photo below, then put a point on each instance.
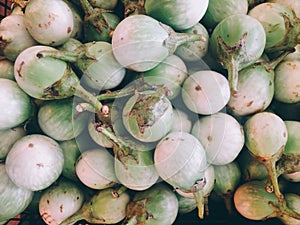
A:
(133, 112)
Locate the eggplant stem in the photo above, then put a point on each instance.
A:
(87, 96)
(197, 190)
(117, 193)
(57, 54)
(139, 86)
(79, 215)
(176, 39)
(87, 7)
(272, 64)
(270, 165)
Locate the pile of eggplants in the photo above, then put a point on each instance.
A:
(142, 112)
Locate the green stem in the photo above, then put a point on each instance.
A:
(197, 191)
(176, 39)
(230, 58)
(111, 136)
(87, 7)
(228, 203)
(85, 107)
(87, 96)
(79, 215)
(233, 74)
(138, 86)
(282, 210)
(272, 64)
(273, 177)
(66, 56)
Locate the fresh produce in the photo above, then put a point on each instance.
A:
(237, 42)
(156, 205)
(95, 169)
(77, 31)
(221, 135)
(195, 50)
(14, 199)
(98, 22)
(18, 106)
(293, 4)
(148, 115)
(8, 137)
(49, 22)
(97, 136)
(180, 15)
(108, 206)
(7, 69)
(210, 180)
(48, 78)
(205, 92)
(265, 137)
(251, 168)
(180, 160)
(58, 119)
(14, 36)
(95, 60)
(227, 178)
(181, 121)
(218, 10)
(281, 25)
(71, 153)
(171, 72)
(292, 147)
(111, 113)
(256, 85)
(148, 41)
(253, 201)
(286, 81)
(34, 162)
(133, 164)
(60, 201)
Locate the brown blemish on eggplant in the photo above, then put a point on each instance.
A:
(69, 30)
(20, 68)
(30, 145)
(40, 165)
(198, 88)
(249, 103)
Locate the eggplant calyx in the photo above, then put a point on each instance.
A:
(63, 88)
(149, 108)
(282, 210)
(292, 37)
(137, 212)
(134, 7)
(288, 164)
(231, 57)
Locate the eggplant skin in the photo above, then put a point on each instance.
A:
(252, 200)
